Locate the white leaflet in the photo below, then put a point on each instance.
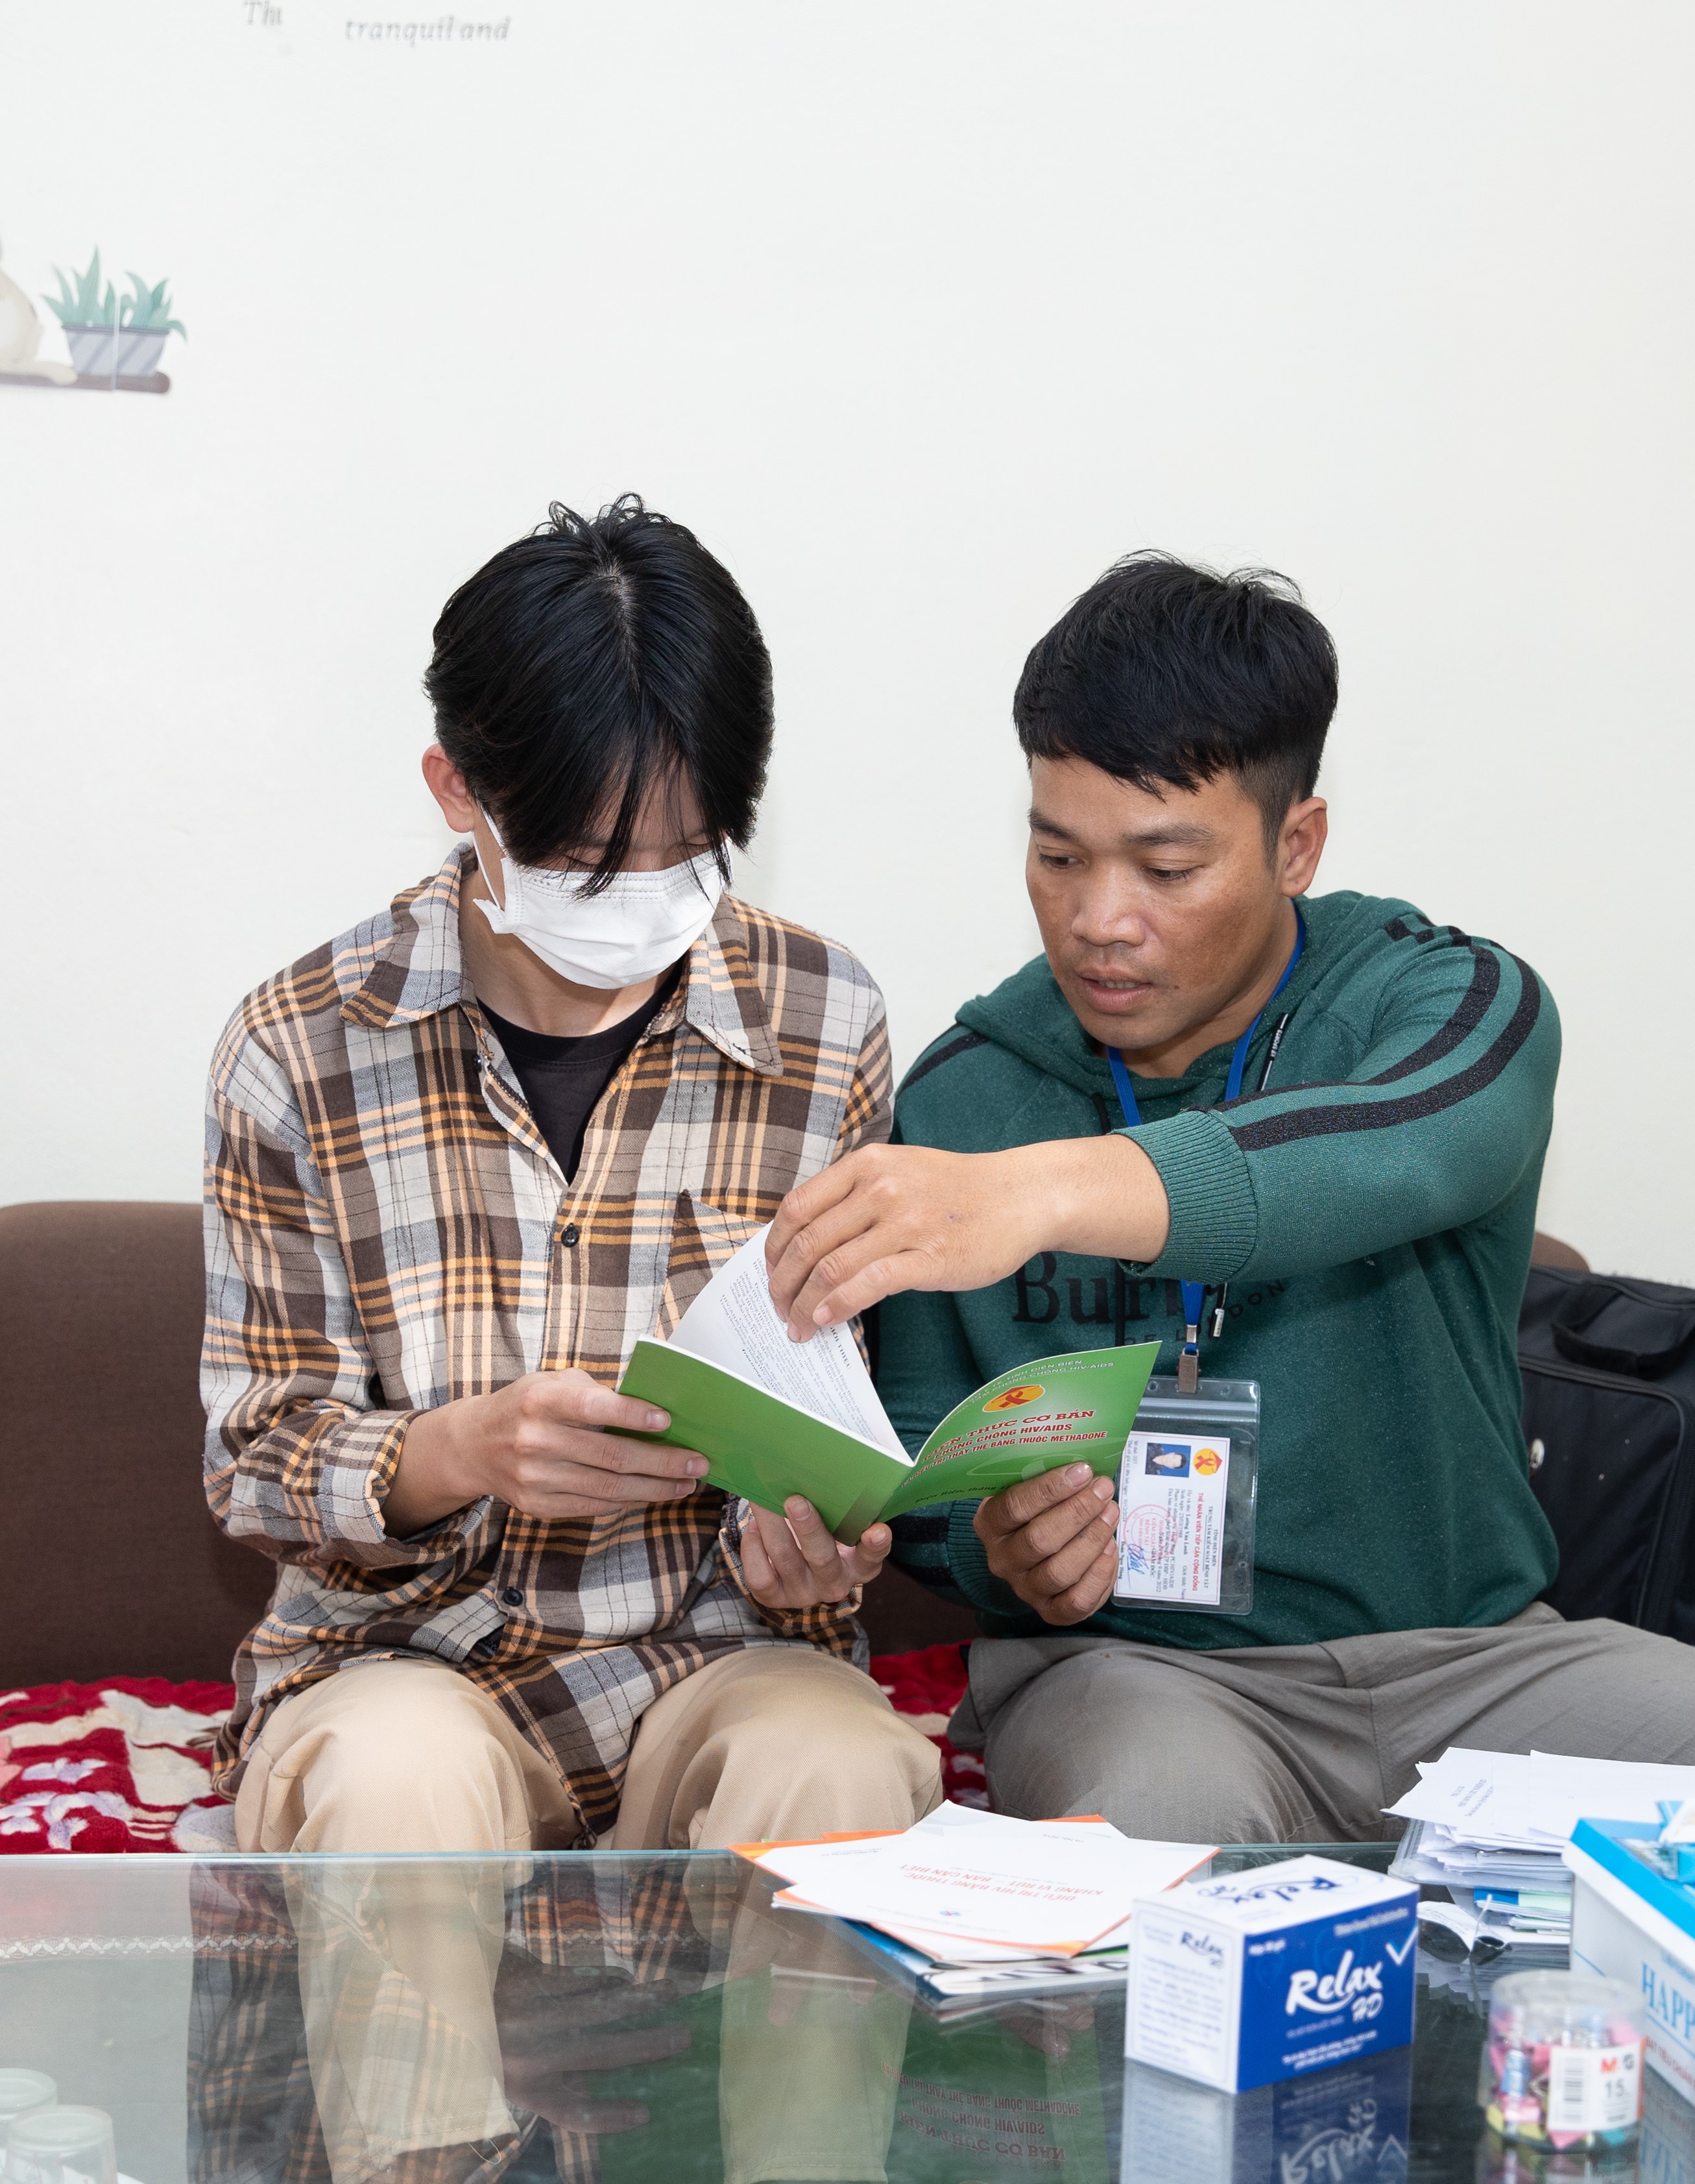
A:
(1510, 1801)
(734, 1324)
(961, 1879)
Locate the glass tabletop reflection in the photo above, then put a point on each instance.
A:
(589, 2017)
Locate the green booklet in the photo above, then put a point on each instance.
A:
(775, 1417)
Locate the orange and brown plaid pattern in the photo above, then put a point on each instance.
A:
(385, 1230)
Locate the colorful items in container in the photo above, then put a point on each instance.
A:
(1563, 2065)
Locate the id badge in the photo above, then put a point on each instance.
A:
(1186, 1489)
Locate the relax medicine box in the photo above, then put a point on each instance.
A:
(1239, 1982)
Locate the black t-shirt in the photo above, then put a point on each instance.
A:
(562, 1078)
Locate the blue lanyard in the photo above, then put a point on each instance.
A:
(1194, 1293)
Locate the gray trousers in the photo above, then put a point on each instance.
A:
(1305, 1743)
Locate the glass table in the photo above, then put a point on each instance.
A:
(587, 2017)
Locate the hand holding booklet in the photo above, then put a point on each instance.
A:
(774, 1417)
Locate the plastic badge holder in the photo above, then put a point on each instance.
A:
(1188, 1488)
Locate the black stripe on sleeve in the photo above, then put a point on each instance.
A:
(1399, 930)
(963, 1044)
(1474, 1006)
(1384, 1114)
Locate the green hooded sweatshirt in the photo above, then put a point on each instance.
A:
(1372, 1212)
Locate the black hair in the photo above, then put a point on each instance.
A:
(1165, 672)
(592, 661)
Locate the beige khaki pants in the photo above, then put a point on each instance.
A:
(770, 1742)
(397, 1963)
(775, 1742)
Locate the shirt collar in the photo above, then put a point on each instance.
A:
(421, 972)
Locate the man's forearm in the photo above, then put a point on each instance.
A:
(306, 1489)
(893, 1218)
(1101, 1198)
(429, 1481)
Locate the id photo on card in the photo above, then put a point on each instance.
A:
(1187, 1487)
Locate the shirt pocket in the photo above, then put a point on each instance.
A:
(703, 1238)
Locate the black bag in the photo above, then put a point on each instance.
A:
(1609, 1370)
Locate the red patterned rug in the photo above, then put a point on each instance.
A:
(125, 1765)
(927, 1686)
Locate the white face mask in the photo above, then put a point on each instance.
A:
(637, 925)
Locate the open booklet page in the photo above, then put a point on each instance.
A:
(1047, 1412)
(775, 1417)
(733, 1324)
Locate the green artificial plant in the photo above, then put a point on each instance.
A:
(81, 304)
(148, 309)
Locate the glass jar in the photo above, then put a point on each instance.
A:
(1563, 2064)
(62, 2146)
(20, 2090)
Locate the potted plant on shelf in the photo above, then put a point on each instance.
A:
(145, 324)
(90, 320)
(110, 336)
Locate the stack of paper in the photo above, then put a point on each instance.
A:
(1527, 1914)
(1490, 1826)
(979, 1900)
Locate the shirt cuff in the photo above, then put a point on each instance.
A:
(1214, 1220)
(830, 1624)
(434, 1540)
(321, 1488)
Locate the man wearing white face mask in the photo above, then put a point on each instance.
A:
(460, 1161)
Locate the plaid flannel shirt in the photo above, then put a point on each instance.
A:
(387, 1231)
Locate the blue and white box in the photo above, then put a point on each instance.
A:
(1264, 1975)
(1348, 2125)
(1630, 1922)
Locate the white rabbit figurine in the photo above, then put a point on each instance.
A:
(20, 336)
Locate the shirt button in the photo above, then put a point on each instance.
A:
(569, 1238)
(512, 1596)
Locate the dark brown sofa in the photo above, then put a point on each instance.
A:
(112, 1564)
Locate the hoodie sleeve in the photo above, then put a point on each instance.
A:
(1448, 1106)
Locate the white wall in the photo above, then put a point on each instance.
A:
(919, 314)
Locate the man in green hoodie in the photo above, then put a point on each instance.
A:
(1295, 1138)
